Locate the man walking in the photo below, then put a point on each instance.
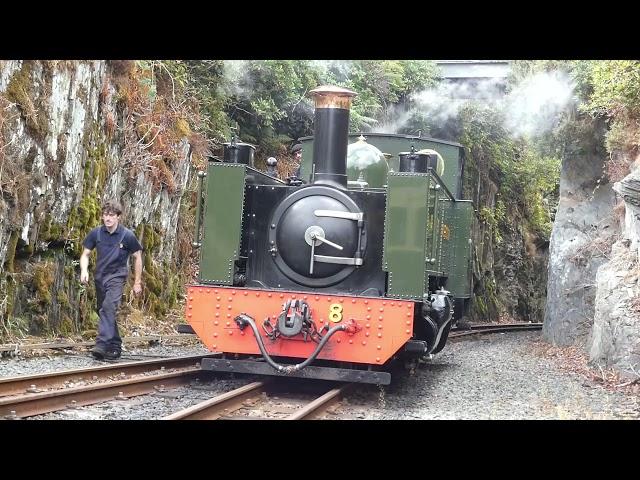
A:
(114, 244)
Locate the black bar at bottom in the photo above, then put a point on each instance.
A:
(185, 328)
(320, 373)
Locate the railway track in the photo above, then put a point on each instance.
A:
(494, 328)
(264, 401)
(15, 348)
(31, 395)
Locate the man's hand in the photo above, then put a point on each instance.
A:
(137, 284)
(84, 265)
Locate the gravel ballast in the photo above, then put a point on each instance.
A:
(496, 376)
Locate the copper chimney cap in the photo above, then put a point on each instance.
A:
(329, 96)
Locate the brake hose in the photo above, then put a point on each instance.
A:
(243, 320)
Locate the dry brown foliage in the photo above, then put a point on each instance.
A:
(187, 256)
(122, 70)
(105, 91)
(163, 175)
(505, 317)
(598, 247)
(573, 359)
(4, 105)
(199, 150)
(530, 244)
(155, 129)
(157, 122)
(110, 124)
(634, 304)
(617, 167)
(287, 166)
(135, 322)
(619, 211)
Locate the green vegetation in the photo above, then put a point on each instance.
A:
(42, 281)
(11, 251)
(616, 88)
(162, 281)
(520, 182)
(607, 89)
(381, 85)
(614, 93)
(266, 102)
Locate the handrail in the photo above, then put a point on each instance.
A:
(196, 241)
(441, 183)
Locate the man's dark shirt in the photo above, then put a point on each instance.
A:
(113, 250)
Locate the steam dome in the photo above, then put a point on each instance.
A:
(365, 160)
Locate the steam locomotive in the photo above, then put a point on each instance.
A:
(364, 259)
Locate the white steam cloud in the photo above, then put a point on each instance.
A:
(235, 73)
(533, 108)
(535, 105)
(398, 118)
(443, 102)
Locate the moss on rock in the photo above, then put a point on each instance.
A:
(11, 251)
(43, 277)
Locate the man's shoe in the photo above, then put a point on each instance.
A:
(112, 354)
(98, 352)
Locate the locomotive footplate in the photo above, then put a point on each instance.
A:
(320, 373)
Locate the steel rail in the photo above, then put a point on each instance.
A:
(321, 404)
(495, 325)
(39, 403)
(480, 329)
(222, 405)
(37, 383)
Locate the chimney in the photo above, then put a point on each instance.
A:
(331, 135)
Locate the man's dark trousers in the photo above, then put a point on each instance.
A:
(109, 293)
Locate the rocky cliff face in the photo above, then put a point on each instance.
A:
(615, 336)
(68, 141)
(585, 227)
(521, 272)
(593, 296)
(509, 277)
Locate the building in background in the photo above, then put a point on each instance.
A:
(482, 78)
